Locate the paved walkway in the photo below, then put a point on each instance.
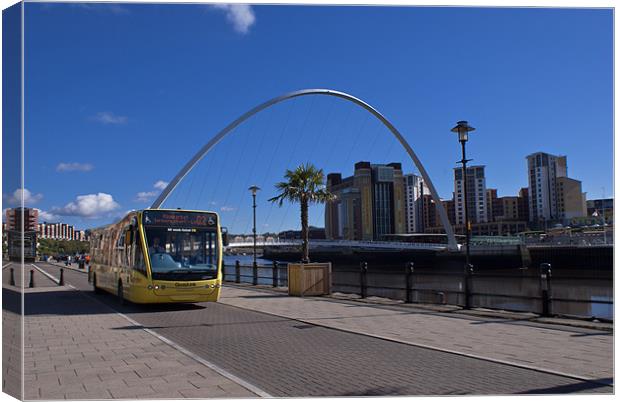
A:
(78, 348)
(577, 352)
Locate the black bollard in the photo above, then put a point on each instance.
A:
(408, 283)
(12, 278)
(254, 273)
(469, 270)
(31, 284)
(545, 287)
(237, 272)
(275, 274)
(363, 271)
(61, 282)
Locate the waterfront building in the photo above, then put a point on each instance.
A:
(571, 201)
(430, 214)
(476, 195)
(449, 206)
(552, 195)
(415, 189)
(543, 171)
(343, 216)
(59, 231)
(507, 209)
(600, 207)
(13, 218)
(494, 205)
(368, 205)
(523, 201)
(502, 208)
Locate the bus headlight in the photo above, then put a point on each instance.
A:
(150, 287)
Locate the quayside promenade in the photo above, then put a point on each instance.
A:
(259, 342)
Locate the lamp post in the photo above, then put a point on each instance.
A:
(254, 190)
(604, 221)
(463, 129)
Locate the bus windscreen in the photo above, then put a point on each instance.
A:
(181, 245)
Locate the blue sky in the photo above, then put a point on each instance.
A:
(118, 97)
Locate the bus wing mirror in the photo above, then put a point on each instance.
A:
(224, 236)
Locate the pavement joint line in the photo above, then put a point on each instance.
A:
(455, 352)
(50, 276)
(179, 348)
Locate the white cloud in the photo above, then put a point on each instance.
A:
(45, 216)
(160, 184)
(15, 199)
(144, 196)
(88, 206)
(74, 166)
(226, 208)
(110, 118)
(241, 16)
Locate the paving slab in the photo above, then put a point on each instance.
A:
(64, 361)
(552, 348)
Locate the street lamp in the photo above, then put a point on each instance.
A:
(604, 221)
(463, 129)
(254, 190)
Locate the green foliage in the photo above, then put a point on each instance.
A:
(57, 247)
(305, 186)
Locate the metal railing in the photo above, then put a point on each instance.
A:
(531, 292)
(525, 290)
(274, 274)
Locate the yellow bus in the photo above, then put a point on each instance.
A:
(159, 256)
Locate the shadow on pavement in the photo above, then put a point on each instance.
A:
(73, 303)
(11, 301)
(593, 334)
(377, 391)
(570, 388)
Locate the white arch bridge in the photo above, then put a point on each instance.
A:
(452, 244)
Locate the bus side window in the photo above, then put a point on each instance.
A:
(139, 264)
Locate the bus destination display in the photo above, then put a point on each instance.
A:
(179, 219)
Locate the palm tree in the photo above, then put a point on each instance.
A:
(305, 186)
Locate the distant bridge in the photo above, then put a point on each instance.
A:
(314, 244)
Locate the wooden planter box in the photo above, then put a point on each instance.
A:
(312, 279)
